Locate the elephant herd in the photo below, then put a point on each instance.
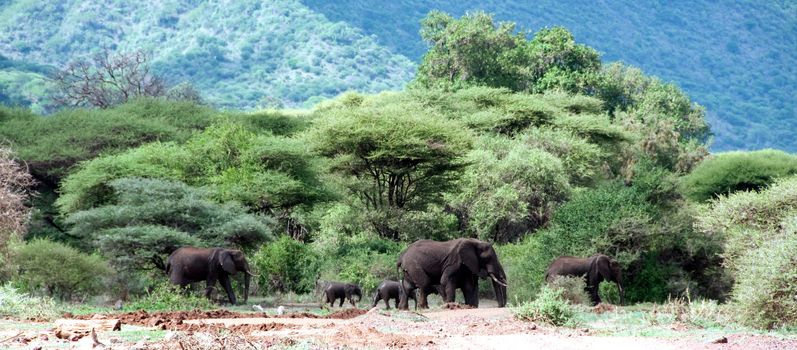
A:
(425, 267)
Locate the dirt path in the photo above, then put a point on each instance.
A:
(484, 328)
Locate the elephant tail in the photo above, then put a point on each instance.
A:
(400, 274)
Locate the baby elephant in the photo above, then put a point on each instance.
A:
(390, 290)
(337, 290)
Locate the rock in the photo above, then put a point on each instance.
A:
(719, 340)
(169, 336)
(118, 305)
(280, 310)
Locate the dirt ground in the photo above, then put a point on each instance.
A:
(445, 328)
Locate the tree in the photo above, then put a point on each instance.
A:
(15, 183)
(107, 80)
(474, 50)
(393, 157)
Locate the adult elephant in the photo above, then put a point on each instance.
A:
(595, 269)
(455, 264)
(188, 265)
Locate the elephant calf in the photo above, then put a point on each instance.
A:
(595, 269)
(390, 290)
(338, 290)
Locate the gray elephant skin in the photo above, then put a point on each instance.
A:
(188, 265)
(455, 264)
(338, 290)
(594, 269)
(390, 289)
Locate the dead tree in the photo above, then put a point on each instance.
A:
(107, 80)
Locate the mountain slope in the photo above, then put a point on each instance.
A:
(235, 52)
(739, 59)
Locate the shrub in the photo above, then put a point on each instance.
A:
(730, 172)
(14, 212)
(510, 189)
(549, 307)
(287, 265)
(168, 297)
(14, 303)
(61, 271)
(761, 237)
(572, 289)
(154, 217)
(524, 263)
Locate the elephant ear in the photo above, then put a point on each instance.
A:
(465, 253)
(226, 262)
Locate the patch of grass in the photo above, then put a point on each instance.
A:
(167, 297)
(135, 334)
(84, 309)
(549, 307)
(17, 304)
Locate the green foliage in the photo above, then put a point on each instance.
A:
(150, 217)
(222, 55)
(168, 297)
(473, 50)
(264, 172)
(549, 307)
(510, 189)
(572, 289)
(744, 79)
(580, 159)
(759, 230)
(287, 265)
(393, 157)
(14, 303)
(726, 173)
(53, 144)
(61, 271)
(525, 263)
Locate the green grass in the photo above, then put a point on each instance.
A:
(658, 320)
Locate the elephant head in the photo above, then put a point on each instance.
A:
(608, 269)
(480, 258)
(353, 290)
(233, 261)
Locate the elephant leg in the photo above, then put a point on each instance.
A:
(471, 292)
(211, 283)
(407, 288)
(386, 298)
(593, 294)
(422, 296)
(341, 301)
(377, 297)
(225, 282)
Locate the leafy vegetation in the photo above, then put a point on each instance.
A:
(549, 307)
(15, 303)
(531, 143)
(734, 58)
(726, 173)
(61, 271)
(168, 297)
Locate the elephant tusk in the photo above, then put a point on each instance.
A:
(251, 274)
(497, 281)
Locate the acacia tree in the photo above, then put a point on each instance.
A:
(394, 157)
(15, 183)
(108, 79)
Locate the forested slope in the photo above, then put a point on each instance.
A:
(236, 53)
(738, 59)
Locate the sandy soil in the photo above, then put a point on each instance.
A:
(484, 328)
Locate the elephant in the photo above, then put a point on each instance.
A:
(188, 265)
(338, 290)
(389, 289)
(452, 264)
(596, 269)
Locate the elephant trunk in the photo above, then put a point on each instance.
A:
(246, 286)
(622, 293)
(499, 287)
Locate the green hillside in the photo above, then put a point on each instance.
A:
(235, 53)
(24, 84)
(738, 58)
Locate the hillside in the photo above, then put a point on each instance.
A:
(739, 59)
(235, 53)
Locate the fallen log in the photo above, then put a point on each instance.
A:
(76, 329)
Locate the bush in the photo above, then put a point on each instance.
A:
(524, 263)
(287, 265)
(761, 237)
(509, 189)
(61, 271)
(15, 304)
(572, 289)
(549, 307)
(730, 172)
(169, 297)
